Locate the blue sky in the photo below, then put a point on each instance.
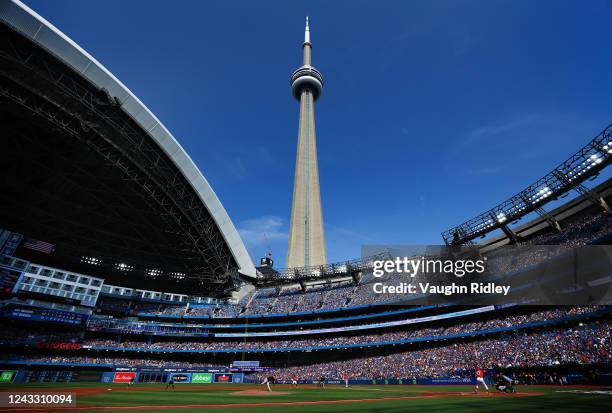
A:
(432, 111)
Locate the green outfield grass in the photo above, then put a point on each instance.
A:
(358, 399)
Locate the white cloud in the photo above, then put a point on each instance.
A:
(493, 130)
(252, 231)
(237, 168)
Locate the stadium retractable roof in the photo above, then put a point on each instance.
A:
(87, 167)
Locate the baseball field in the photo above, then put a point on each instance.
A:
(252, 398)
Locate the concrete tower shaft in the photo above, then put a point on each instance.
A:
(306, 237)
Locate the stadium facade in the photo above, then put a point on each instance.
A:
(306, 235)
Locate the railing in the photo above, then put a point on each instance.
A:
(345, 268)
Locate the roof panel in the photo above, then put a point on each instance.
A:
(52, 41)
(20, 21)
(132, 107)
(104, 80)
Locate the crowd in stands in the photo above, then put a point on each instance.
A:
(12, 334)
(218, 311)
(115, 361)
(292, 299)
(578, 231)
(528, 376)
(273, 301)
(263, 301)
(144, 327)
(542, 377)
(205, 310)
(146, 306)
(124, 307)
(113, 305)
(301, 341)
(515, 348)
(581, 231)
(588, 344)
(173, 310)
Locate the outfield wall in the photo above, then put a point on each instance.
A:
(179, 376)
(185, 376)
(226, 376)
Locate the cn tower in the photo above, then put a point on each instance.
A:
(306, 237)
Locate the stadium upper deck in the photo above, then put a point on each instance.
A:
(332, 303)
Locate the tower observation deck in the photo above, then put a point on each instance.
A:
(306, 237)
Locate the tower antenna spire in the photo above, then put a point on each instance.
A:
(306, 246)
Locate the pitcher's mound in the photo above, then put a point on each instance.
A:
(258, 393)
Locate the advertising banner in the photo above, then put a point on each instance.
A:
(223, 377)
(181, 377)
(58, 345)
(201, 377)
(448, 380)
(7, 376)
(245, 363)
(124, 377)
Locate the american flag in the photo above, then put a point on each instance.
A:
(37, 245)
